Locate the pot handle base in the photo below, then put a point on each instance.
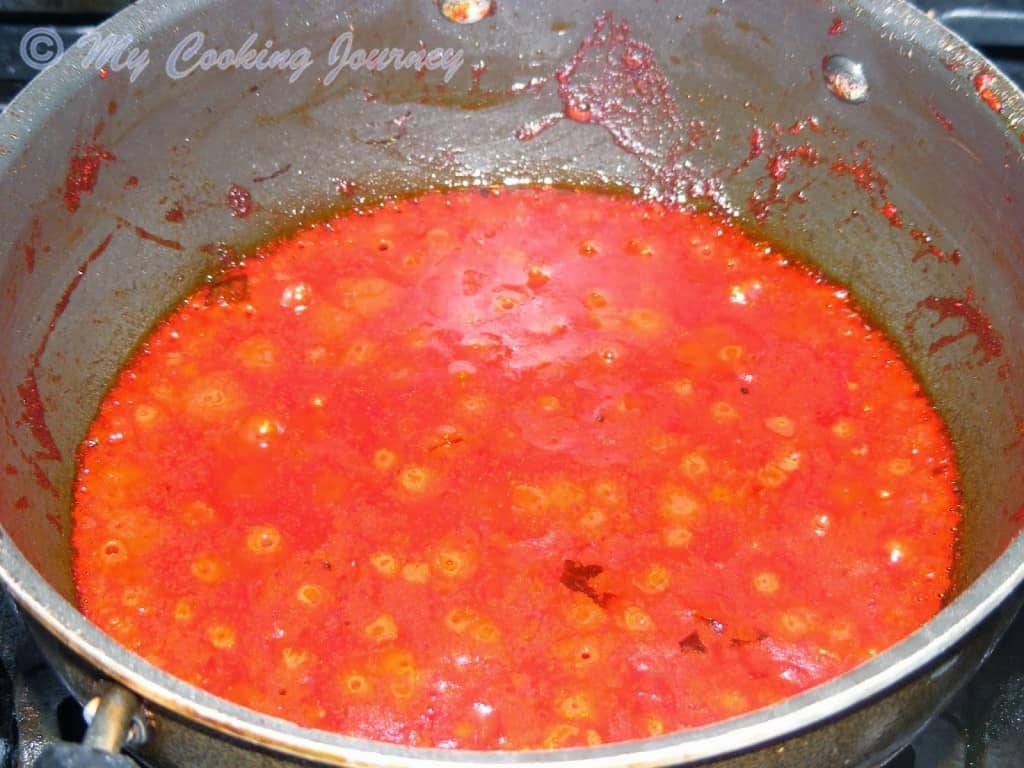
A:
(113, 721)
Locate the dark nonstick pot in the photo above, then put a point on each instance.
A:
(123, 185)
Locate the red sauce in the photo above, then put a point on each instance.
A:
(511, 469)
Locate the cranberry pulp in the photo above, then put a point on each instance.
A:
(510, 469)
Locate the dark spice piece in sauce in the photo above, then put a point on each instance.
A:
(692, 644)
(576, 576)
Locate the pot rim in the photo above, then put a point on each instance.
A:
(806, 710)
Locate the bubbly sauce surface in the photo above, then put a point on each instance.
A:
(514, 469)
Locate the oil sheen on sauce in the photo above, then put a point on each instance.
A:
(514, 468)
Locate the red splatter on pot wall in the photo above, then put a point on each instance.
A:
(989, 343)
(83, 173)
(982, 82)
(239, 201)
(33, 413)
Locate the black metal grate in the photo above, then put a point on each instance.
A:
(994, 28)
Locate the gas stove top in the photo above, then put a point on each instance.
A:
(982, 728)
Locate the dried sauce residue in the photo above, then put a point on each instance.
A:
(864, 175)
(989, 343)
(477, 71)
(275, 174)
(944, 121)
(1018, 427)
(876, 185)
(615, 82)
(892, 213)
(145, 234)
(778, 160)
(778, 166)
(956, 63)
(928, 248)
(756, 141)
(42, 480)
(30, 248)
(33, 413)
(83, 173)
(837, 27)
(982, 81)
(401, 130)
(239, 201)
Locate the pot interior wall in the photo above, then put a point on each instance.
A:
(81, 286)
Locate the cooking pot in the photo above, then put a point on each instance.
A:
(860, 135)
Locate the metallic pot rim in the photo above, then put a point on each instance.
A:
(897, 22)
